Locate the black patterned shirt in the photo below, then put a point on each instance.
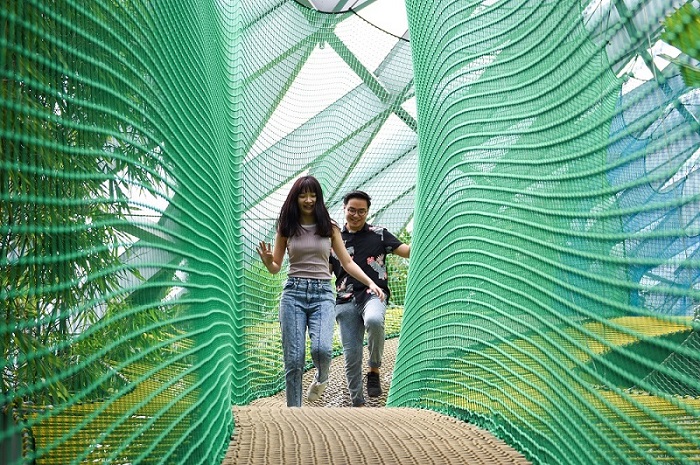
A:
(368, 248)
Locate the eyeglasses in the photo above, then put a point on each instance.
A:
(361, 212)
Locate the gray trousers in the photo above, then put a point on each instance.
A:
(353, 321)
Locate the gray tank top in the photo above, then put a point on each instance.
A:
(308, 254)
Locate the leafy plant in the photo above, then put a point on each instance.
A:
(262, 297)
(397, 268)
(682, 30)
(69, 154)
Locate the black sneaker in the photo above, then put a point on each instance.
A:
(374, 387)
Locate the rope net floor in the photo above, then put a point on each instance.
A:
(267, 432)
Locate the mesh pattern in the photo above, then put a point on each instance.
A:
(116, 250)
(556, 225)
(539, 156)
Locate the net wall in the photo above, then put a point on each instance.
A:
(120, 209)
(148, 146)
(556, 222)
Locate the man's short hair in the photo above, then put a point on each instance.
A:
(357, 195)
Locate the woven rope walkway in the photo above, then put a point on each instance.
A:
(267, 432)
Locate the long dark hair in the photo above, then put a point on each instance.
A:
(288, 223)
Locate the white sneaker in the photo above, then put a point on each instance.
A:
(315, 390)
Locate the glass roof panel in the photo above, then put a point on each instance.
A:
(388, 15)
(370, 46)
(323, 80)
(335, 6)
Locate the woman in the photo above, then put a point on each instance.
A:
(307, 233)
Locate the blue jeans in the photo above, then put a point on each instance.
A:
(306, 303)
(353, 320)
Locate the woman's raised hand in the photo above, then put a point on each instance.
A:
(265, 251)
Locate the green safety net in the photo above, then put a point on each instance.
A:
(553, 286)
(539, 156)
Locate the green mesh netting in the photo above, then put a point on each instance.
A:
(550, 200)
(556, 222)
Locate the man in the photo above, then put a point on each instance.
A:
(356, 309)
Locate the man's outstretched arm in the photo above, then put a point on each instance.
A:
(404, 250)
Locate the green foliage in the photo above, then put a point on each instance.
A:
(682, 30)
(64, 193)
(263, 290)
(397, 268)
